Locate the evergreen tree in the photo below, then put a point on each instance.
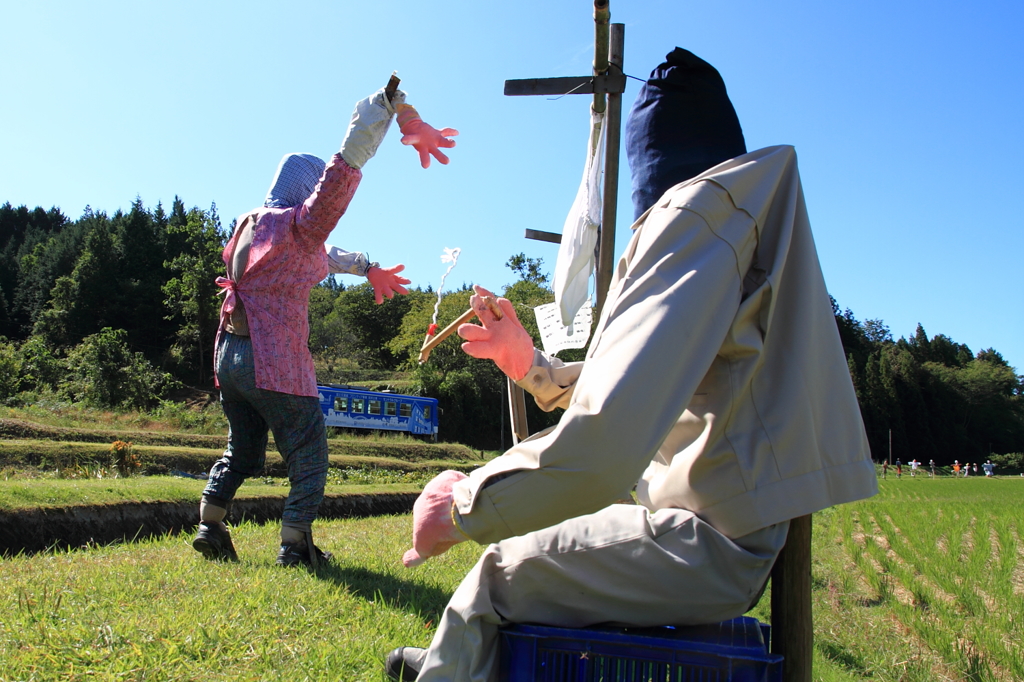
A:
(39, 270)
(21, 230)
(140, 249)
(85, 301)
(191, 294)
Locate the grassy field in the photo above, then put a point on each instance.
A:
(923, 582)
(35, 493)
(156, 611)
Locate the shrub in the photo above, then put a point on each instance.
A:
(10, 369)
(1010, 463)
(41, 369)
(104, 372)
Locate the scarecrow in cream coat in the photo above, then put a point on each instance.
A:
(715, 384)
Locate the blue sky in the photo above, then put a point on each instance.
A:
(905, 116)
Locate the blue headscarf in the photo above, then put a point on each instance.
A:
(296, 178)
(682, 124)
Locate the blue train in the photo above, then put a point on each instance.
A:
(357, 408)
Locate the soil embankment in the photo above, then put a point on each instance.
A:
(36, 530)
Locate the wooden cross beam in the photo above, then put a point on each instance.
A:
(606, 84)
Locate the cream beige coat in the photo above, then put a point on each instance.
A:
(715, 383)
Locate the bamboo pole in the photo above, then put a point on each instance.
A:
(432, 340)
(601, 16)
(613, 125)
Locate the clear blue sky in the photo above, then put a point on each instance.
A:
(906, 118)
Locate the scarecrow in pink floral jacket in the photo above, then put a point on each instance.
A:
(264, 369)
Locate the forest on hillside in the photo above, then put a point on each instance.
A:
(120, 311)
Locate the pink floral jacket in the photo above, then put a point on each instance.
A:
(286, 260)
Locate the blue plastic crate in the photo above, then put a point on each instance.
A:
(734, 650)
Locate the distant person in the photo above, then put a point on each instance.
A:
(913, 467)
(989, 468)
(899, 468)
(263, 364)
(975, 468)
(885, 467)
(956, 468)
(931, 465)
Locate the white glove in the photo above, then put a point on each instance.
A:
(370, 122)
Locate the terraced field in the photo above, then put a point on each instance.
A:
(70, 487)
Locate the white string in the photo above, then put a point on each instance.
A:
(449, 256)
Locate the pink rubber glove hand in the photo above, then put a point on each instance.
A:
(423, 137)
(386, 282)
(433, 530)
(504, 341)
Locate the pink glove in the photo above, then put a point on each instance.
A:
(504, 341)
(386, 282)
(433, 530)
(423, 137)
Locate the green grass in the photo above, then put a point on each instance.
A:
(156, 611)
(169, 416)
(40, 459)
(923, 582)
(905, 587)
(35, 493)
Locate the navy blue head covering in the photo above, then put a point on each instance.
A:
(682, 124)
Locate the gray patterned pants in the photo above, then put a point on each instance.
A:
(296, 422)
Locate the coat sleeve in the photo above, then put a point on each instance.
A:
(551, 381)
(342, 262)
(673, 302)
(320, 213)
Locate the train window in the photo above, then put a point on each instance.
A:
(426, 411)
(389, 409)
(404, 410)
(357, 405)
(374, 407)
(341, 403)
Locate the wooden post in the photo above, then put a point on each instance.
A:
(606, 83)
(602, 14)
(792, 624)
(612, 123)
(517, 410)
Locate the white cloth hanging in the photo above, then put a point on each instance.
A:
(576, 255)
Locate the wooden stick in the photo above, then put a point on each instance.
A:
(430, 342)
(392, 86)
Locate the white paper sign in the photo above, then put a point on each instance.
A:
(556, 337)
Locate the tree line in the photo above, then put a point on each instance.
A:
(121, 310)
